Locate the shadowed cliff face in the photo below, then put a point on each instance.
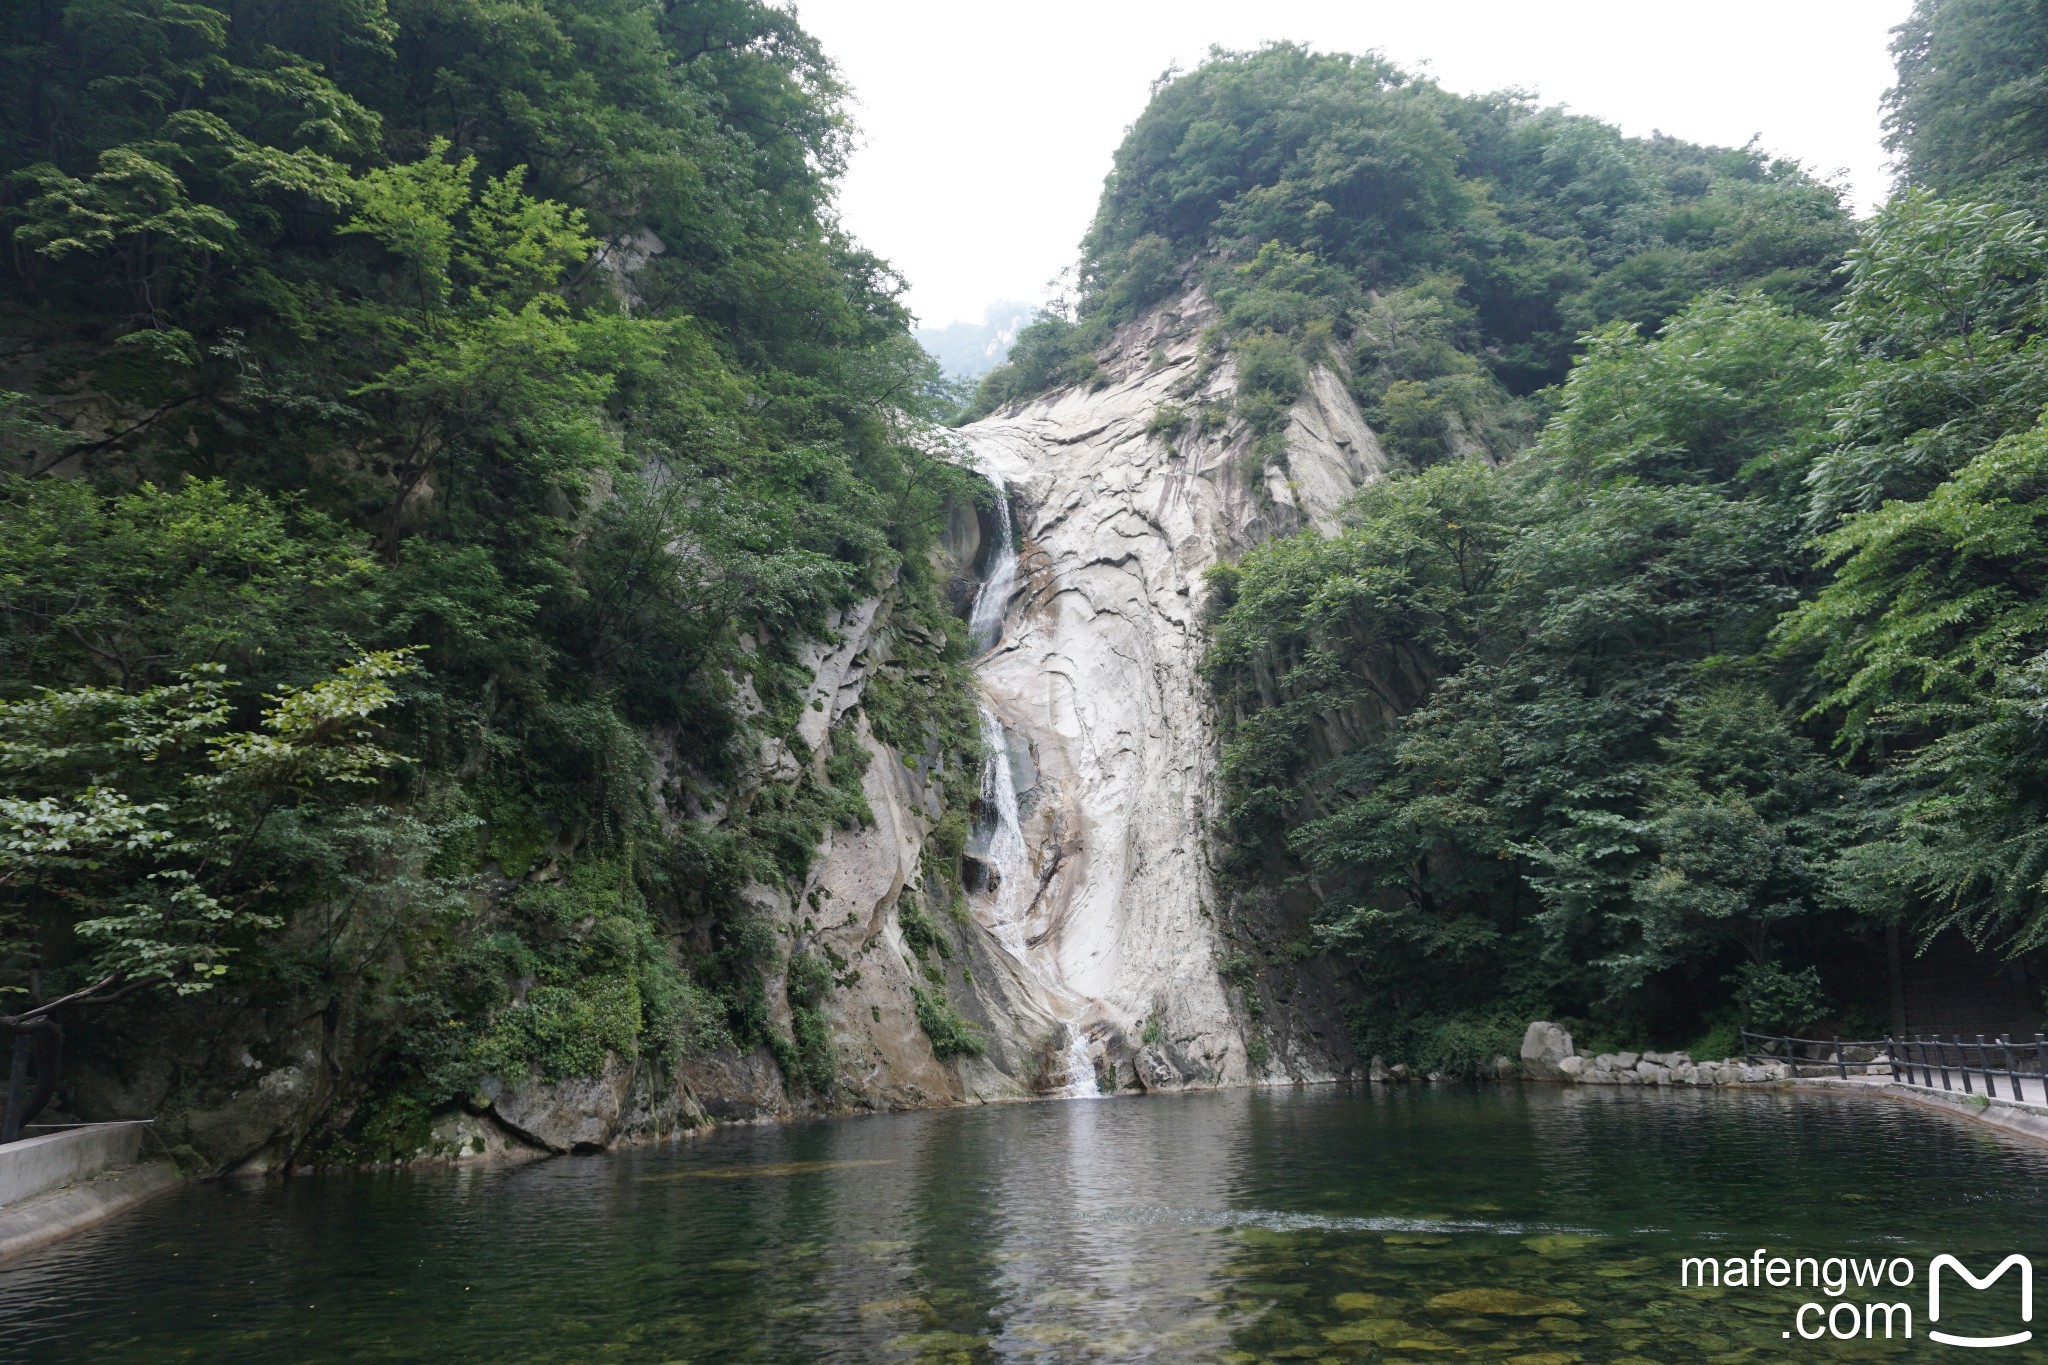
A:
(1095, 675)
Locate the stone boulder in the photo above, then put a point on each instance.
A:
(1544, 1045)
(581, 1112)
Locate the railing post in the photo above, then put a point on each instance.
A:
(1984, 1065)
(1841, 1064)
(1962, 1063)
(1891, 1054)
(1941, 1060)
(17, 1086)
(2012, 1077)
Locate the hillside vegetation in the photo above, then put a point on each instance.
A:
(431, 431)
(1664, 719)
(1695, 647)
(1450, 250)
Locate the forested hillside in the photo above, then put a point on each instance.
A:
(1696, 647)
(432, 431)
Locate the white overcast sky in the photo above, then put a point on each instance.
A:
(986, 126)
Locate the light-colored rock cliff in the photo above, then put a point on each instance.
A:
(1095, 675)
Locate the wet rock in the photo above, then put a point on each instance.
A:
(1572, 1068)
(1544, 1046)
(1377, 1071)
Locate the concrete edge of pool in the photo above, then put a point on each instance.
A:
(2024, 1119)
(48, 1217)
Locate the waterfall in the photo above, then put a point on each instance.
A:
(1006, 907)
(1007, 858)
(985, 621)
(1006, 903)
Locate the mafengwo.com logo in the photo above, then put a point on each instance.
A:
(1874, 1298)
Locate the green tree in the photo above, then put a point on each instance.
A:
(1970, 104)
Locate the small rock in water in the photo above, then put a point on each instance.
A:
(1560, 1243)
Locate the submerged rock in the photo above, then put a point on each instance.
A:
(1504, 1303)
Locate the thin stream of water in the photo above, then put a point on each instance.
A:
(985, 619)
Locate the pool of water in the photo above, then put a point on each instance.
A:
(1539, 1224)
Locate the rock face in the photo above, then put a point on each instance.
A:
(1095, 671)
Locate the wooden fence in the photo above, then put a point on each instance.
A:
(1928, 1061)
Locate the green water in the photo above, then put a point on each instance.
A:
(1320, 1224)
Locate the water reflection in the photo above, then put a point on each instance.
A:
(1541, 1224)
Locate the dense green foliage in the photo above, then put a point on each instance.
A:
(1449, 248)
(1660, 722)
(1968, 112)
(518, 334)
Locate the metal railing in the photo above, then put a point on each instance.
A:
(1924, 1060)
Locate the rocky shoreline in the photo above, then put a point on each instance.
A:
(1548, 1055)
